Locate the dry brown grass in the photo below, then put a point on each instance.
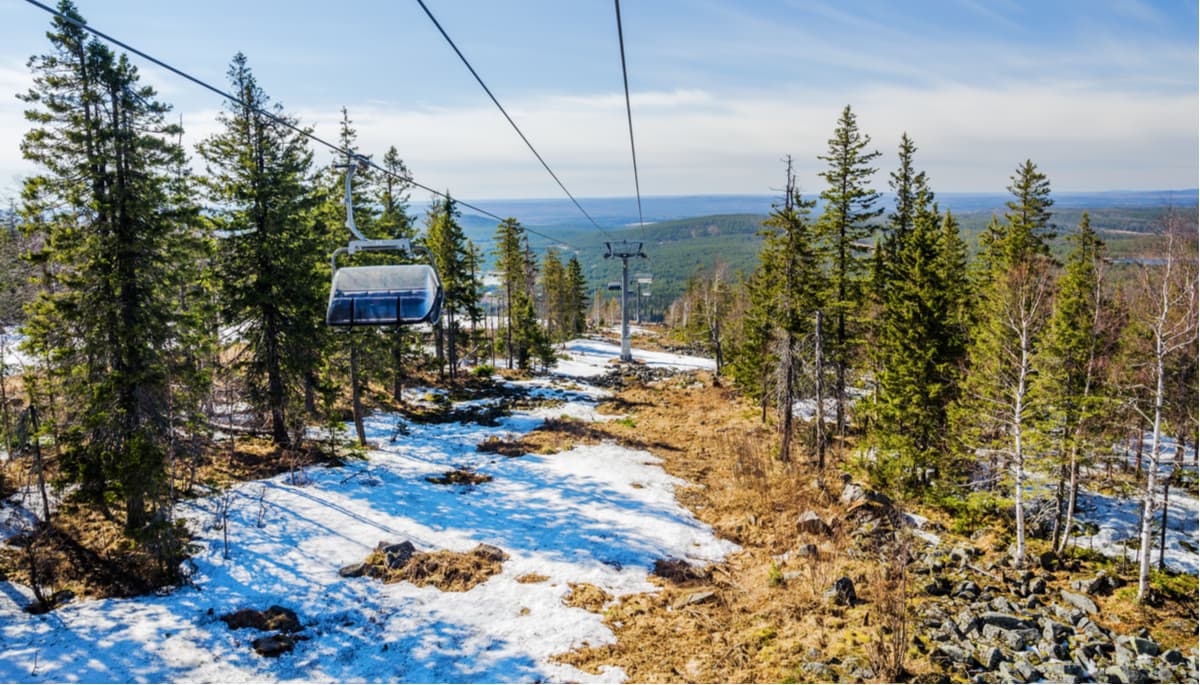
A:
(445, 570)
(587, 597)
(531, 578)
(766, 609)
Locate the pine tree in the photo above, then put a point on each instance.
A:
(114, 225)
(272, 286)
(846, 220)
(554, 296)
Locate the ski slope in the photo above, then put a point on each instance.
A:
(596, 514)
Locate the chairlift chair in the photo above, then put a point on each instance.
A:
(381, 295)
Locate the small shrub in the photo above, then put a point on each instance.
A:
(775, 576)
(627, 422)
(484, 371)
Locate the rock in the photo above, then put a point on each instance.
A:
(1053, 631)
(851, 493)
(808, 551)
(397, 555)
(967, 622)
(938, 587)
(1062, 672)
(1026, 670)
(353, 571)
(1002, 605)
(1080, 602)
(274, 645)
(946, 655)
(1006, 621)
(275, 618)
(1016, 640)
(1145, 646)
(991, 658)
(1048, 561)
(698, 598)
(1173, 657)
(967, 589)
(1032, 603)
(489, 553)
(1037, 586)
(1125, 673)
(842, 592)
(811, 523)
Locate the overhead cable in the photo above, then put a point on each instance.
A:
(505, 113)
(629, 116)
(262, 112)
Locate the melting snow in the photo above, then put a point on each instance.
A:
(597, 514)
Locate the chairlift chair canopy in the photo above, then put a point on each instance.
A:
(390, 295)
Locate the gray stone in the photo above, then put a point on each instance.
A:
(1032, 603)
(353, 571)
(1002, 605)
(946, 655)
(698, 598)
(1125, 673)
(1015, 639)
(1026, 670)
(1079, 602)
(1144, 646)
(966, 589)
(852, 493)
(811, 523)
(1054, 631)
(1038, 586)
(1063, 672)
(842, 592)
(808, 550)
(1006, 621)
(938, 587)
(967, 622)
(991, 658)
(1173, 657)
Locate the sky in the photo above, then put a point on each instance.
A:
(1100, 94)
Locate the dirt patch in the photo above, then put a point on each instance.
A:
(587, 597)
(531, 578)
(460, 477)
(445, 570)
(275, 618)
(679, 571)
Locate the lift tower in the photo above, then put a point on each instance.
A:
(623, 250)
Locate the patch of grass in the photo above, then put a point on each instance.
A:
(460, 477)
(627, 422)
(775, 576)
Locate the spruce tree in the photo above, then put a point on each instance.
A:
(997, 407)
(272, 286)
(846, 220)
(1068, 380)
(510, 263)
(1029, 229)
(577, 298)
(115, 234)
(448, 243)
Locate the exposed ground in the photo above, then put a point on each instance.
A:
(762, 614)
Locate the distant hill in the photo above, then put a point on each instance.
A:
(683, 238)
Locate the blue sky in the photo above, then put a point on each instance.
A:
(1101, 94)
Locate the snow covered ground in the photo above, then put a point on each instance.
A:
(1116, 518)
(596, 514)
(14, 358)
(589, 358)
